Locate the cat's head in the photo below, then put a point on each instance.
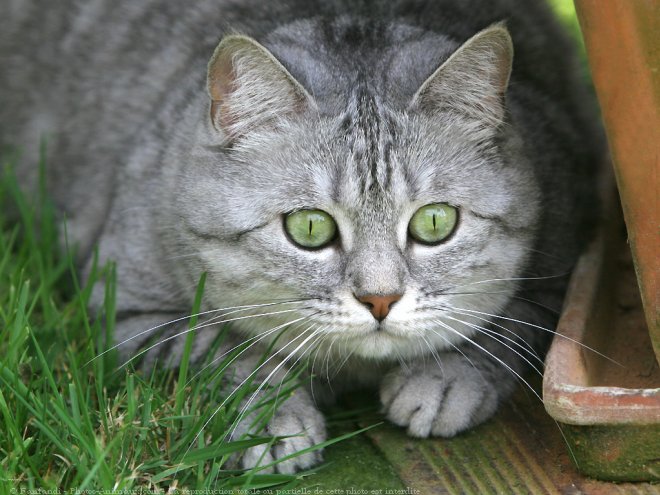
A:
(380, 229)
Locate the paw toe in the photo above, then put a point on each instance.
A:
(291, 446)
(465, 405)
(258, 456)
(415, 405)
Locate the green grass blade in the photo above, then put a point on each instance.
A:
(185, 360)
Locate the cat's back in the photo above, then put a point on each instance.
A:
(87, 71)
(95, 81)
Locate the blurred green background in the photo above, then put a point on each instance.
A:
(566, 12)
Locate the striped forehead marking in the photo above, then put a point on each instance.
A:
(368, 130)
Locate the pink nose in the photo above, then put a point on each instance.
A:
(379, 305)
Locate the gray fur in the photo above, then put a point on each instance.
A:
(367, 110)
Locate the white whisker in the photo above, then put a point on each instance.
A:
(434, 353)
(494, 335)
(545, 330)
(238, 387)
(161, 325)
(513, 296)
(342, 363)
(257, 338)
(198, 327)
(267, 379)
(318, 340)
(486, 320)
(456, 348)
(448, 327)
(512, 279)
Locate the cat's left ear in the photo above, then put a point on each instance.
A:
(473, 80)
(250, 88)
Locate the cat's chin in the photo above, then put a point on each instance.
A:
(383, 345)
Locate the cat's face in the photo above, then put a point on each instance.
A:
(370, 170)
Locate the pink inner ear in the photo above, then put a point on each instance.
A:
(222, 83)
(220, 118)
(221, 77)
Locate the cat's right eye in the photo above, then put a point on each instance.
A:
(310, 229)
(433, 223)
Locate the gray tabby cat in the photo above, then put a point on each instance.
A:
(381, 184)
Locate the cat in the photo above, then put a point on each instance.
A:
(398, 187)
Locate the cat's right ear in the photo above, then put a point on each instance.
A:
(250, 89)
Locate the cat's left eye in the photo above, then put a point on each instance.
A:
(433, 223)
(311, 229)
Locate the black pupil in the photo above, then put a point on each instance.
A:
(310, 227)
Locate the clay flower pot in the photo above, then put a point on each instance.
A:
(611, 410)
(623, 46)
(602, 380)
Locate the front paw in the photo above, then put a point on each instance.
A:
(439, 399)
(299, 420)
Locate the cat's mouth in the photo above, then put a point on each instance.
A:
(398, 339)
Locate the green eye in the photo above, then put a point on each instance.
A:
(433, 223)
(310, 229)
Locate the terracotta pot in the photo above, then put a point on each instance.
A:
(602, 380)
(622, 38)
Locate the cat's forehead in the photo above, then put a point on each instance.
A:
(370, 159)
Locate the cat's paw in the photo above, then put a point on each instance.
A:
(303, 425)
(438, 400)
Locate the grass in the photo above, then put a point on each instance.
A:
(69, 420)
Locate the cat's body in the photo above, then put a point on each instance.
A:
(170, 185)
